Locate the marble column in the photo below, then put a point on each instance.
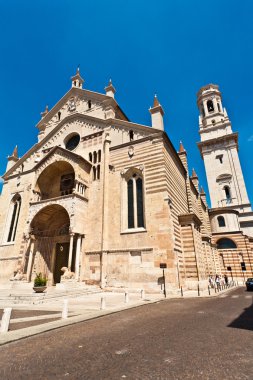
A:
(70, 250)
(30, 260)
(78, 253)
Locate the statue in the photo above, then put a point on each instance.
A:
(67, 274)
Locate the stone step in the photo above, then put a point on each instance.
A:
(35, 298)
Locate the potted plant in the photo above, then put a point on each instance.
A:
(40, 283)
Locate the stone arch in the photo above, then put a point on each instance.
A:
(55, 180)
(51, 220)
(226, 243)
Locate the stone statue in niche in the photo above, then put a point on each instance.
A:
(72, 104)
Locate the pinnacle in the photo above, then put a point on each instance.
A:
(194, 174)
(156, 102)
(181, 147)
(15, 152)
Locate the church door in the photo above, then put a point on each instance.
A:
(61, 260)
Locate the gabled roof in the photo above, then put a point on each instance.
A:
(80, 92)
(67, 152)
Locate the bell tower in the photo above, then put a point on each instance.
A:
(219, 149)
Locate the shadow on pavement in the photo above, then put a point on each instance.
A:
(245, 320)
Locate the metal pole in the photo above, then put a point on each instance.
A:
(182, 294)
(198, 291)
(209, 290)
(164, 284)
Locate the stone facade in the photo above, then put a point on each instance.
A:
(107, 198)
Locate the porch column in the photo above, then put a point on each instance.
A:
(30, 260)
(78, 252)
(70, 250)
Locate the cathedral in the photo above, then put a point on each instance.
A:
(112, 202)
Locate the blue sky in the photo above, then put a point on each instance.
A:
(170, 48)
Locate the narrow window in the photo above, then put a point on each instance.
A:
(89, 104)
(221, 221)
(75, 83)
(14, 218)
(90, 157)
(130, 200)
(140, 219)
(228, 194)
(98, 172)
(220, 158)
(94, 173)
(203, 111)
(99, 156)
(210, 106)
(59, 115)
(94, 157)
(218, 105)
(131, 135)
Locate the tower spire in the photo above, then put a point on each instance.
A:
(157, 114)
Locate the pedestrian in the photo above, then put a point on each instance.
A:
(226, 279)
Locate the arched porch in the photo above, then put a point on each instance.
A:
(52, 245)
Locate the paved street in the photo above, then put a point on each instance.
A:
(174, 339)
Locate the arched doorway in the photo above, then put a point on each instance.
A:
(50, 226)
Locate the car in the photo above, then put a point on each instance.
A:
(249, 283)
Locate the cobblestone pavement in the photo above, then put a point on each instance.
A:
(174, 339)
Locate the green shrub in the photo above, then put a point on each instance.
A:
(40, 280)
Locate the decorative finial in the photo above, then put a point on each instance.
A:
(44, 112)
(156, 102)
(202, 191)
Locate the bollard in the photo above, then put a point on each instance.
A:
(6, 320)
(126, 297)
(182, 294)
(198, 291)
(209, 290)
(64, 313)
(142, 294)
(215, 288)
(102, 304)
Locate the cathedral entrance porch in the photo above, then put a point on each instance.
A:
(52, 246)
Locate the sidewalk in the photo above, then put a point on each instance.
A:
(29, 320)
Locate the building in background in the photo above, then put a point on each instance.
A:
(231, 215)
(110, 200)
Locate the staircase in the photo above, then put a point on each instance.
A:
(22, 293)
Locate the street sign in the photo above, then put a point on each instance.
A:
(243, 267)
(163, 265)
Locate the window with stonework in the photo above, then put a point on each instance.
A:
(14, 216)
(135, 209)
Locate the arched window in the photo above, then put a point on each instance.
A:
(89, 104)
(15, 210)
(221, 221)
(94, 157)
(90, 157)
(131, 135)
(99, 155)
(226, 243)
(227, 194)
(59, 115)
(135, 213)
(210, 106)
